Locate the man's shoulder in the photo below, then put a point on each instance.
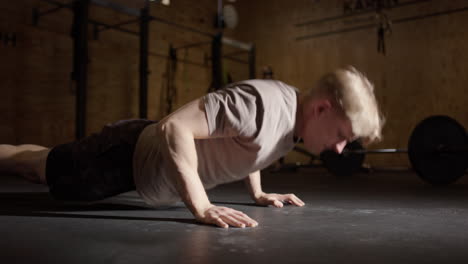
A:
(265, 82)
(269, 87)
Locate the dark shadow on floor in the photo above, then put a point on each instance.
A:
(244, 204)
(105, 217)
(41, 204)
(236, 203)
(42, 201)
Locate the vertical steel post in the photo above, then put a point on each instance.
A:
(80, 63)
(144, 41)
(216, 62)
(252, 62)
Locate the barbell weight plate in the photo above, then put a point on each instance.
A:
(343, 164)
(427, 139)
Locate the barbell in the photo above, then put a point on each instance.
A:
(437, 150)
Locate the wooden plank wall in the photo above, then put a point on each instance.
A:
(38, 103)
(423, 73)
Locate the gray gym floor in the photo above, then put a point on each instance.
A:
(369, 218)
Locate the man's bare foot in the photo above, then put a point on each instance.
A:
(27, 161)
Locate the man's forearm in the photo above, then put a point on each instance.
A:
(254, 185)
(182, 165)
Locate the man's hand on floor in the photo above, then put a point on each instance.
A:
(225, 217)
(278, 200)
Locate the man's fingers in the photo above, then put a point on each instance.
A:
(245, 219)
(297, 201)
(231, 220)
(278, 200)
(225, 217)
(300, 202)
(277, 203)
(293, 199)
(239, 213)
(219, 222)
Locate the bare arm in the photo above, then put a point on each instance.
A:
(179, 130)
(254, 185)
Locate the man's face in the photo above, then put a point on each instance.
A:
(326, 128)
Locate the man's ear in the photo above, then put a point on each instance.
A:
(320, 106)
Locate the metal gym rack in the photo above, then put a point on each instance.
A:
(81, 19)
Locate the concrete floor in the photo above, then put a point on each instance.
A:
(372, 218)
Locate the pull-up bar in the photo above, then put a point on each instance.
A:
(117, 7)
(237, 44)
(135, 12)
(80, 47)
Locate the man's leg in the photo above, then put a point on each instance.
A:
(28, 161)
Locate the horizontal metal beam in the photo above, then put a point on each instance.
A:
(49, 11)
(103, 3)
(237, 44)
(335, 32)
(60, 4)
(180, 60)
(167, 22)
(235, 60)
(227, 41)
(232, 59)
(328, 19)
(373, 25)
(235, 53)
(117, 7)
(446, 12)
(136, 12)
(38, 14)
(118, 25)
(193, 45)
(136, 33)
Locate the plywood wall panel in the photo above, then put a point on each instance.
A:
(422, 74)
(38, 99)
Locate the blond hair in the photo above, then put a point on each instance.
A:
(355, 94)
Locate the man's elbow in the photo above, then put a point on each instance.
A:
(171, 128)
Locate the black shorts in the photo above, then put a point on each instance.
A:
(96, 167)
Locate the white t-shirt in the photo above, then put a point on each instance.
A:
(256, 119)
